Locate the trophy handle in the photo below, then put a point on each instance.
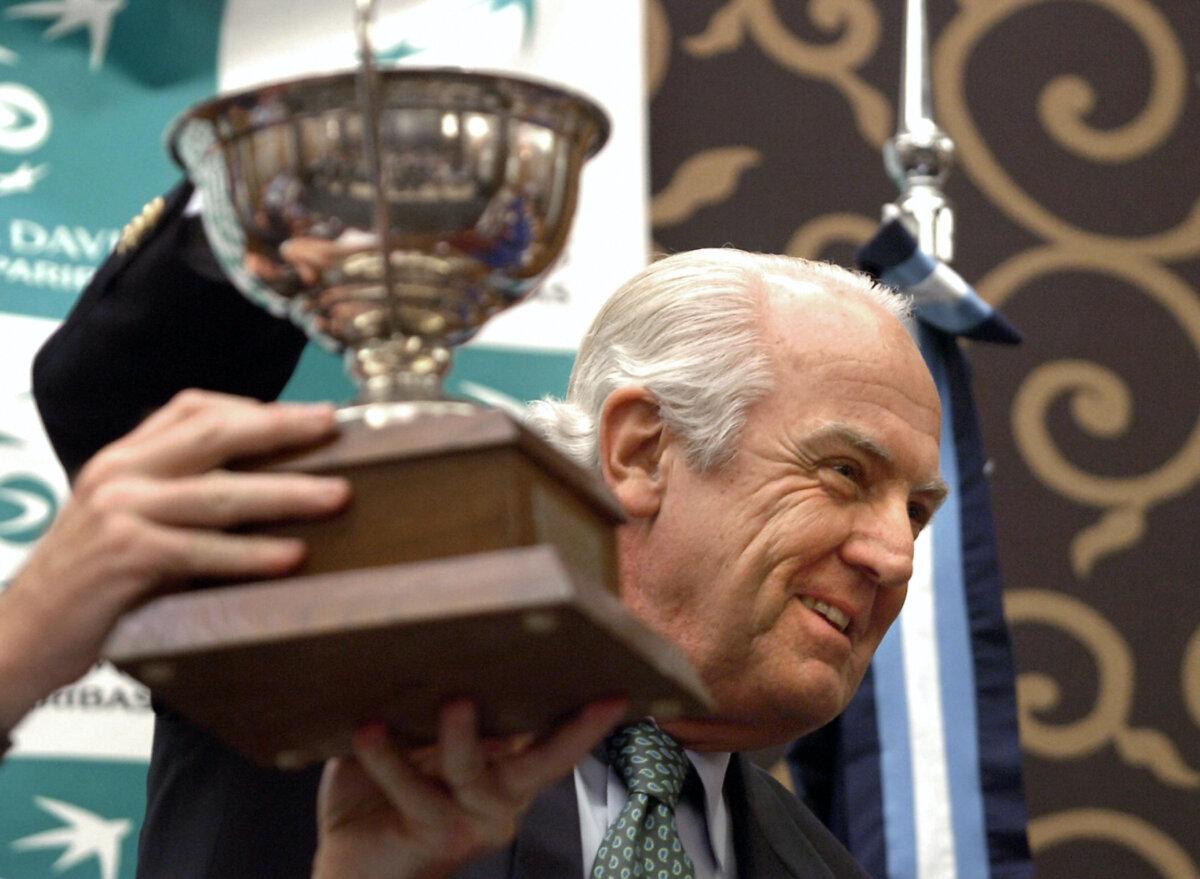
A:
(368, 97)
(365, 359)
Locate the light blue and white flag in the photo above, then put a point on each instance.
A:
(921, 776)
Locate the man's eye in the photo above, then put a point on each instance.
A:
(848, 469)
(919, 513)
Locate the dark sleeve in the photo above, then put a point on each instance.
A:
(776, 835)
(211, 814)
(152, 322)
(831, 850)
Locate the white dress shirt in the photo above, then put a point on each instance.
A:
(707, 836)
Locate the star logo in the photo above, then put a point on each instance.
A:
(96, 15)
(22, 179)
(84, 834)
(528, 9)
(27, 507)
(437, 24)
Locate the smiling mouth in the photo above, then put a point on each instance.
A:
(832, 615)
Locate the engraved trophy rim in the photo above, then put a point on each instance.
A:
(216, 107)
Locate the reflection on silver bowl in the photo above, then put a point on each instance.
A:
(465, 213)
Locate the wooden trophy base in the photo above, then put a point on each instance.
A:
(475, 561)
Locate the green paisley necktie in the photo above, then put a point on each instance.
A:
(643, 842)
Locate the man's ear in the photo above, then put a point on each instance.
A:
(632, 438)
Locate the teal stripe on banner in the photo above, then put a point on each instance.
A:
(955, 659)
(520, 374)
(895, 755)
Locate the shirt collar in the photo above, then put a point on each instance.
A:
(711, 767)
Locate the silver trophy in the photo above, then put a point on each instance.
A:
(390, 213)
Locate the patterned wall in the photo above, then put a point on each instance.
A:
(1077, 125)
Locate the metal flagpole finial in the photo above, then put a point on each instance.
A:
(920, 155)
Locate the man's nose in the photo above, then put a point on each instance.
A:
(881, 545)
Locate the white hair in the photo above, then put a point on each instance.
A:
(687, 328)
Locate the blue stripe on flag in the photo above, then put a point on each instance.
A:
(955, 659)
(891, 712)
(996, 715)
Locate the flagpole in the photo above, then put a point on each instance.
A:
(920, 155)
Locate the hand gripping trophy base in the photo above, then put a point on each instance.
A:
(474, 561)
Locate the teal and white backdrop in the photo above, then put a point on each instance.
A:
(87, 88)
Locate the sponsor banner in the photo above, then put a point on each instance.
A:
(86, 90)
(32, 484)
(105, 715)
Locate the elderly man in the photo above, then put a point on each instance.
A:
(772, 433)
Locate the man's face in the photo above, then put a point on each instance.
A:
(780, 572)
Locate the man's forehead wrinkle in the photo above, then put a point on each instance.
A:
(835, 431)
(856, 437)
(850, 388)
(864, 371)
(842, 339)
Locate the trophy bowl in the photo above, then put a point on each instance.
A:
(390, 213)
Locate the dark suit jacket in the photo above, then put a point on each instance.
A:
(774, 835)
(162, 318)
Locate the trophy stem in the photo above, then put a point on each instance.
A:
(399, 369)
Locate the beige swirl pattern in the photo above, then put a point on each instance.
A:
(1117, 828)
(812, 239)
(1101, 403)
(1190, 676)
(1108, 721)
(709, 177)
(1072, 95)
(658, 45)
(857, 22)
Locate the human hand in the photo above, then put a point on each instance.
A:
(149, 509)
(383, 814)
